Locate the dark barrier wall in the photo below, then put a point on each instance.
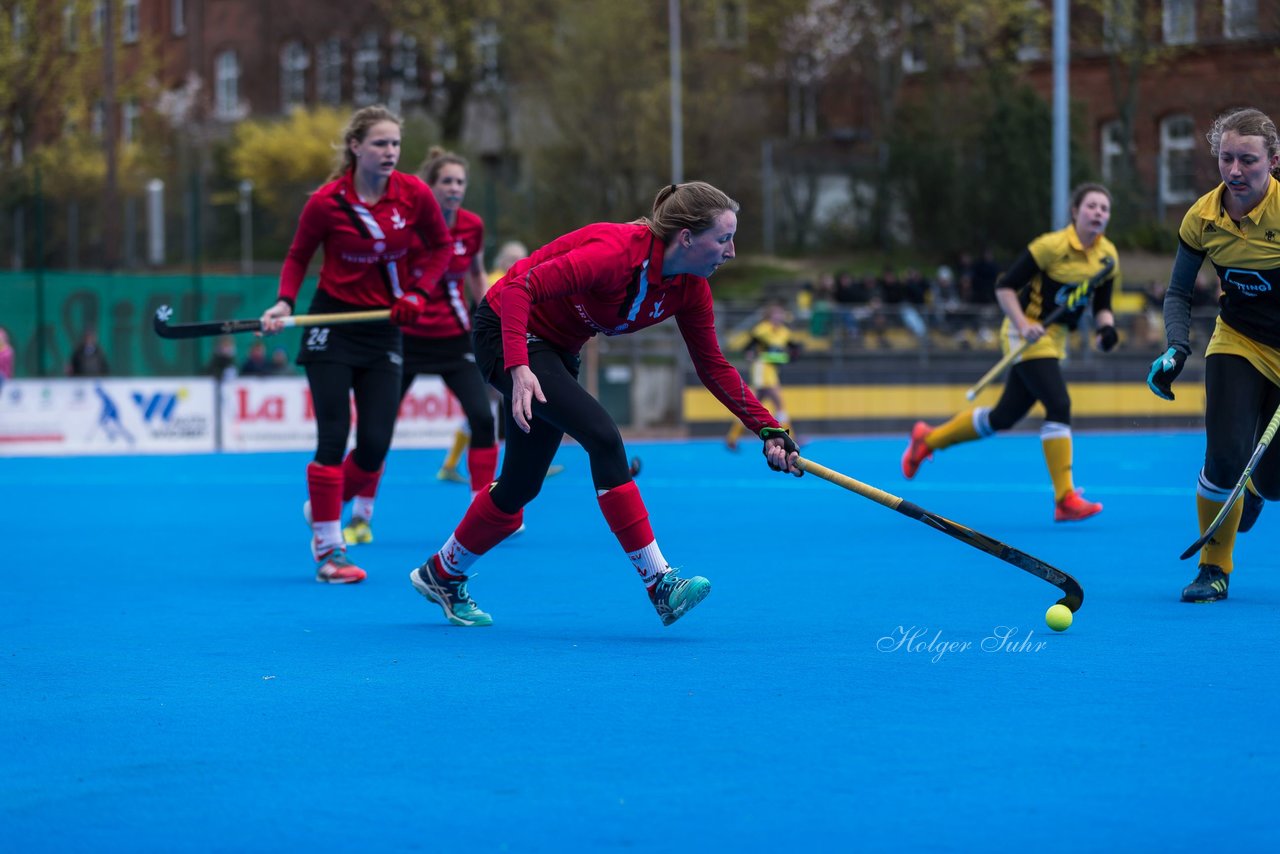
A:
(62, 305)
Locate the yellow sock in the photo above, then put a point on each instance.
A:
(1057, 456)
(1248, 484)
(460, 441)
(959, 429)
(1218, 550)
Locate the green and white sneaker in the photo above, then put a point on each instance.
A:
(450, 593)
(1210, 585)
(674, 596)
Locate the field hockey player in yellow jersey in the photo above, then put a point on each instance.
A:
(1042, 278)
(1237, 227)
(772, 344)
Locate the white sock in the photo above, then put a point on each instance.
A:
(362, 508)
(649, 562)
(328, 536)
(454, 557)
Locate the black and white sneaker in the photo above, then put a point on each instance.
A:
(1210, 585)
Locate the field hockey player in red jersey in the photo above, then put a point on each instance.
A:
(439, 342)
(610, 279)
(368, 218)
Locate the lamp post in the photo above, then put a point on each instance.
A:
(677, 120)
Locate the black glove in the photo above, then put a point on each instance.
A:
(1107, 338)
(788, 444)
(408, 308)
(1164, 370)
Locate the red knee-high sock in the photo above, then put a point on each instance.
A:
(356, 480)
(625, 512)
(484, 525)
(481, 464)
(324, 483)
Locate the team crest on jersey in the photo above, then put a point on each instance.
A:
(1271, 235)
(397, 221)
(459, 247)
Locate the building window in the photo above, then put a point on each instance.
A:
(1113, 151)
(731, 23)
(486, 44)
(178, 17)
(329, 72)
(1118, 17)
(365, 67)
(129, 120)
(70, 30)
(1030, 26)
(226, 86)
(915, 40)
(1177, 159)
(98, 20)
(294, 63)
(129, 21)
(1179, 21)
(1239, 18)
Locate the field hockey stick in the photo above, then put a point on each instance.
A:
(165, 329)
(1077, 295)
(1073, 593)
(1267, 436)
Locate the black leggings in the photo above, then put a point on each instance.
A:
(1038, 379)
(1239, 404)
(377, 403)
(468, 386)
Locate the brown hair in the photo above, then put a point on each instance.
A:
(437, 158)
(1246, 122)
(363, 119)
(1078, 194)
(693, 205)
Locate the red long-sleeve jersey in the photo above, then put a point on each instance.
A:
(448, 312)
(607, 278)
(367, 247)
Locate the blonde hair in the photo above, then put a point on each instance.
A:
(1246, 122)
(693, 205)
(357, 129)
(510, 252)
(437, 158)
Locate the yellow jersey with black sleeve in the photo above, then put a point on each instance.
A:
(1246, 257)
(1045, 275)
(771, 345)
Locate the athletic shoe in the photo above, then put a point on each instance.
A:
(450, 593)
(335, 568)
(451, 475)
(1253, 505)
(917, 451)
(1210, 585)
(1073, 508)
(673, 596)
(358, 533)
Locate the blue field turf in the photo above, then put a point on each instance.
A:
(172, 679)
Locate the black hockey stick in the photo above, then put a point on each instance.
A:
(165, 329)
(1267, 436)
(1073, 593)
(1074, 297)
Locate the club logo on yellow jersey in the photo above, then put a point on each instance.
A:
(1271, 235)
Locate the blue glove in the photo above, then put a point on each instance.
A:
(408, 308)
(1164, 370)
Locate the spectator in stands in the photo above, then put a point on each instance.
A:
(88, 360)
(222, 364)
(855, 297)
(256, 363)
(280, 365)
(824, 298)
(917, 291)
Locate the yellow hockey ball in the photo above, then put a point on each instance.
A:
(1058, 618)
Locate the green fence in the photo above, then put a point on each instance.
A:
(46, 314)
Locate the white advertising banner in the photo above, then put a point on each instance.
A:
(62, 417)
(276, 414)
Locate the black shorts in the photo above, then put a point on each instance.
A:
(424, 355)
(361, 345)
(487, 337)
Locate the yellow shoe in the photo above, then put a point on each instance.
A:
(451, 475)
(358, 533)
